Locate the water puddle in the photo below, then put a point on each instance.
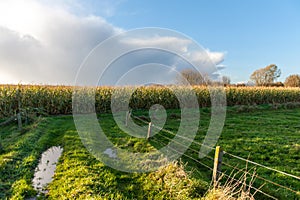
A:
(45, 170)
(111, 153)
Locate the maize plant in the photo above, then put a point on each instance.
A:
(55, 100)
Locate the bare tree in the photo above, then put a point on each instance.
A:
(193, 77)
(226, 80)
(266, 76)
(292, 81)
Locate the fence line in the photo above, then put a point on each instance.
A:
(250, 186)
(237, 157)
(266, 167)
(222, 173)
(170, 132)
(260, 177)
(201, 163)
(194, 150)
(236, 168)
(234, 156)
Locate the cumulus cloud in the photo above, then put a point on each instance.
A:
(48, 45)
(177, 44)
(43, 43)
(160, 42)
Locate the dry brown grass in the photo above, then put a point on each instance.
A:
(233, 189)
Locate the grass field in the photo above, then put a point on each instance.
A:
(267, 136)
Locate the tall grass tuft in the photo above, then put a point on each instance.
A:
(233, 188)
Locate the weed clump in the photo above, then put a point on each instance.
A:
(233, 188)
(173, 182)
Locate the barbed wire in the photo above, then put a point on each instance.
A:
(224, 174)
(260, 177)
(201, 163)
(194, 150)
(238, 169)
(170, 132)
(260, 165)
(228, 165)
(250, 186)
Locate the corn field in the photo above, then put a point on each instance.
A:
(55, 100)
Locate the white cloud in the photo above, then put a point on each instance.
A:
(160, 42)
(42, 43)
(216, 57)
(178, 44)
(46, 44)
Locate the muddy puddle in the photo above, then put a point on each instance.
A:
(45, 170)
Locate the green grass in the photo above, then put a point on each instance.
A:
(79, 175)
(269, 137)
(20, 155)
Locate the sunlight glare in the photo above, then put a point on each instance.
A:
(21, 16)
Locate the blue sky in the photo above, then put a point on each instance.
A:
(250, 34)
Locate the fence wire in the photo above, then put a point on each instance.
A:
(226, 164)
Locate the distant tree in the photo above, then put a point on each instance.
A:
(276, 84)
(292, 81)
(226, 80)
(265, 76)
(193, 77)
(279, 84)
(241, 85)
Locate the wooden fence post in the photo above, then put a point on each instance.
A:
(217, 165)
(149, 130)
(128, 113)
(19, 117)
(1, 148)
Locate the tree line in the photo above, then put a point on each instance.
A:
(266, 76)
